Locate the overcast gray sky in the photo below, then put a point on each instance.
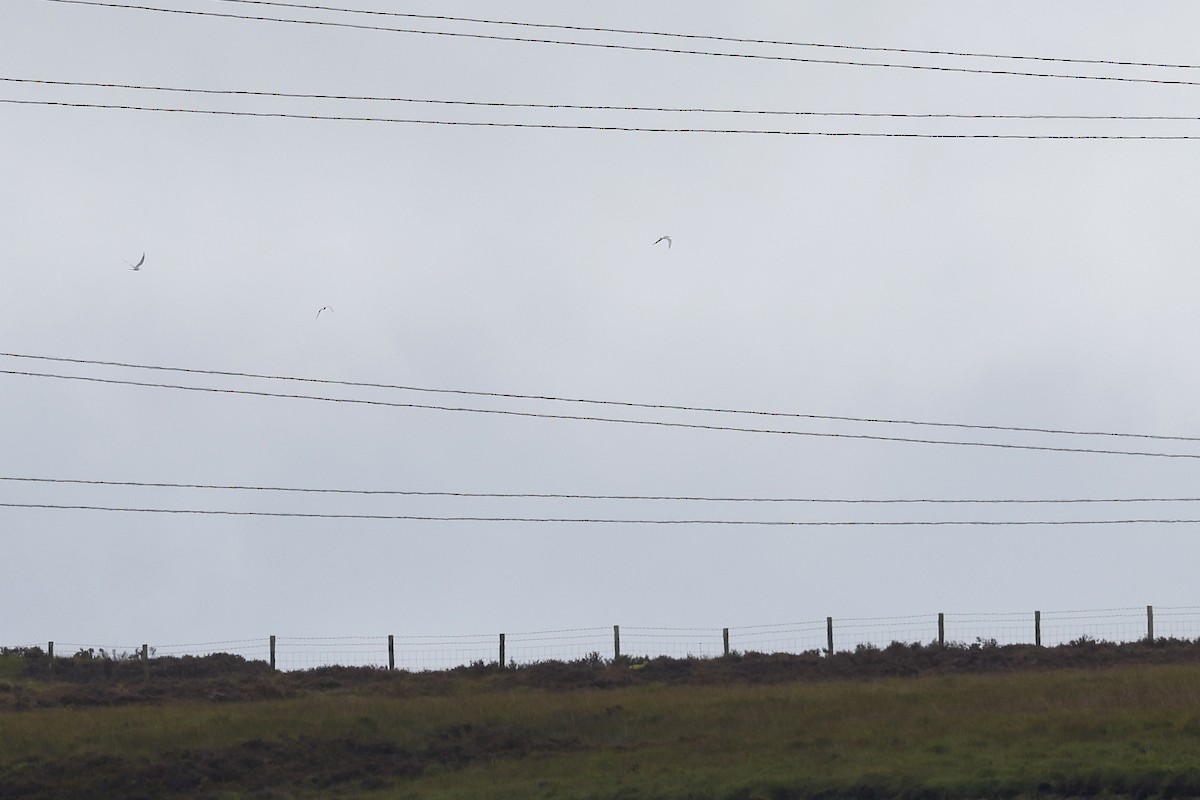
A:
(1044, 283)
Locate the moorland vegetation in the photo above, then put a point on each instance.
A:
(1086, 719)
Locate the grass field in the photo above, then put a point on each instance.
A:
(1129, 729)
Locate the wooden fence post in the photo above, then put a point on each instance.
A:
(1150, 624)
(145, 662)
(502, 651)
(941, 629)
(391, 653)
(829, 635)
(50, 650)
(616, 642)
(725, 638)
(1037, 628)
(272, 652)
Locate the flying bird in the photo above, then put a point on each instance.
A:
(138, 266)
(324, 308)
(666, 239)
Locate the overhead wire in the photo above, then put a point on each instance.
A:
(597, 107)
(604, 128)
(707, 37)
(599, 402)
(628, 47)
(596, 520)
(581, 496)
(617, 420)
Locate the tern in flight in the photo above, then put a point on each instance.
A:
(138, 266)
(324, 308)
(666, 239)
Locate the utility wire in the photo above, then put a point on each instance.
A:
(621, 128)
(580, 107)
(711, 38)
(612, 403)
(583, 418)
(600, 521)
(565, 496)
(628, 47)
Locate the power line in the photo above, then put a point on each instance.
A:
(712, 38)
(628, 47)
(584, 418)
(593, 107)
(621, 128)
(597, 520)
(566, 496)
(613, 403)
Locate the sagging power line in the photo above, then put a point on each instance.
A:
(608, 128)
(615, 420)
(629, 47)
(599, 402)
(597, 107)
(710, 37)
(604, 128)
(578, 496)
(597, 520)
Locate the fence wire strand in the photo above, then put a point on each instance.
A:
(446, 651)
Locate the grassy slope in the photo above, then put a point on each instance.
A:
(1119, 730)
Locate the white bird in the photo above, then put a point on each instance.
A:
(324, 308)
(138, 266)
(666, 239)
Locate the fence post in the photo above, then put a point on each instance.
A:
(1150, 624)
(272, 652)
(502, 651)
(725, 638)
(616, 642)
(941, 629)
(1037, 628)
(50, 650)
(145, 662)
(829, 635)
(391, 652)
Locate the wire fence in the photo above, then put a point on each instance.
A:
(417, 653)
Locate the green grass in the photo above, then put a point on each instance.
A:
(1128, 730)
